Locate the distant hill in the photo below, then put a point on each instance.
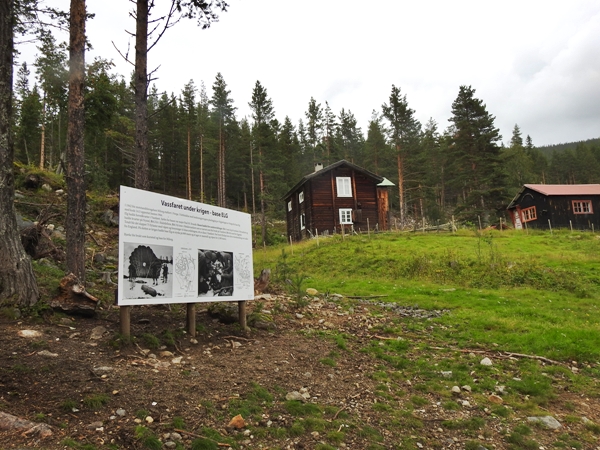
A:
(547, 150)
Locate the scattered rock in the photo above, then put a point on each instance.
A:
(237, 422)
(486, 362)
(447, 373)
(455, 390)
(110, 218)
(495, 399)
(547, 421)
(95, 425)
(46, 187)
(149, 419)
(29, 333)
(311, 291)
(120, 412)
(466, 388)
(97, 333)
(295, 395)
(47, 353)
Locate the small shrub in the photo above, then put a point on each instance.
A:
(151, 341)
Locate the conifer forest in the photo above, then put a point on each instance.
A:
(198, 148)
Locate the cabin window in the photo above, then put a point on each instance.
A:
(301, 197)
(302, 221)
(344, 187)
(345, 216)
(582, 207)
(528, 214)
(290, 205)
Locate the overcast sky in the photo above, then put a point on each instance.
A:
(533, 63)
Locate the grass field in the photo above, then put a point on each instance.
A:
(534, 293)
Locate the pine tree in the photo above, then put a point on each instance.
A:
(222, 113)
(403, 133)
(314, 130)
(188, 102)
(476, 170)
(262, 114)
(16, 272)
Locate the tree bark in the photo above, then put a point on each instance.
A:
(401, 186)
(142, 166)
(76, 201)
(17, 280)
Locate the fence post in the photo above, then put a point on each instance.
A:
(550, 225)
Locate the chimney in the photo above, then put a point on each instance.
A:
(318, 166)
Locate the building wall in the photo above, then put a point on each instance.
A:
(321, 204)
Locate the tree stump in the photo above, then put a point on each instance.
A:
(73, 298)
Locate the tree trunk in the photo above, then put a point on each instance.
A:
(261, 183)
(75, 221)
(142, 166)
(189, 165)
(17, 280)
(401, 186)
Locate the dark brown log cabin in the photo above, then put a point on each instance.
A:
(557, 206)
(342, 194)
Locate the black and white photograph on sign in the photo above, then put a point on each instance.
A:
(148, 270)
(215, 273)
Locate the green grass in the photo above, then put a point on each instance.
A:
(533, 293)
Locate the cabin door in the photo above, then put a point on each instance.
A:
(517, 216)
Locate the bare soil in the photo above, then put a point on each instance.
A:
(43, 377)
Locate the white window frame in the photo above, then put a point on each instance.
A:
(302, 221)
(289, 206)
(345, 216)
(344, 186)
(301, 197)
(582, 207)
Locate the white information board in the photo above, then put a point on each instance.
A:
(179, 251)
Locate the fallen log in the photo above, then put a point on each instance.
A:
(8, 422)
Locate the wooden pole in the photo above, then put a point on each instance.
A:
(571, 225)
(500, 223)
(191, 319)
(125, 315)
(343, 233)
(242, 314)
(368, 228)
(423, 224)
(550, 225)
(452, 224)
(479, 218)
(592, 228)
(526, 229)
(291, 246)
(317, 234)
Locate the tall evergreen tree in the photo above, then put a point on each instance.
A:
(16, 272)
(188, 103)
(76, 200)
(314, 130)
(477, 171)
(262, 114)
(223, 114)
(403, 133)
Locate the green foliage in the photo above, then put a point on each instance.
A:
(151, 341)
(96, 401)
(147, 438)
(300, 409)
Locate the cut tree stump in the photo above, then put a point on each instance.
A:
(73, 298)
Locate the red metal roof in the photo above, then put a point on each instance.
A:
(566, 189)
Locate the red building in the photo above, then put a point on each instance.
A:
(557, 206)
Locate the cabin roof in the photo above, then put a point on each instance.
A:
(558, 189)
(376, 178)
